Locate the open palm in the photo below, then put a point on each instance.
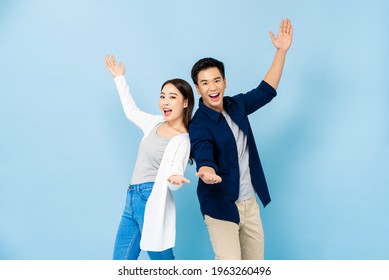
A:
(113, 67)
(284, 36)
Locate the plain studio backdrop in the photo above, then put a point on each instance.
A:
(67, 150)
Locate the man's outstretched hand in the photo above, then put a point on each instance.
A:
(208, 175)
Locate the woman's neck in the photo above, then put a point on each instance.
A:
(177, 125)
(171, 129)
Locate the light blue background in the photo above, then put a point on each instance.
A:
(67, 151)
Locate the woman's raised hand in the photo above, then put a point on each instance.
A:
(113, 67)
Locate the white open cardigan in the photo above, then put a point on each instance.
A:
(159, 227)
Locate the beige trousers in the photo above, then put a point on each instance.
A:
(238, 242)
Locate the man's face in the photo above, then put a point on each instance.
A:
(211, 87)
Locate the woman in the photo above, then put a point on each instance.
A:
(148, 220)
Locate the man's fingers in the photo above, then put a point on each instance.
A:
(282, 26)
(271, 34)
(209, 178)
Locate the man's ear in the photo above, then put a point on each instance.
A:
(198, 90)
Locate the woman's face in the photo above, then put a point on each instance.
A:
(172, 103)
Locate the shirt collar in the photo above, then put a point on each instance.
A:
(212, 114)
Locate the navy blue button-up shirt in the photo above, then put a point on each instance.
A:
(214, 145)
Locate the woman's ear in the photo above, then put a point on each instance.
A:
(185, 103)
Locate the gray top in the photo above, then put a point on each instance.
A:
(246, 190)
(150, 153)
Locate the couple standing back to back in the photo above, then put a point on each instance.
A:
(219, 139)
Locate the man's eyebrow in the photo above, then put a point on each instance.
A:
(218, 77)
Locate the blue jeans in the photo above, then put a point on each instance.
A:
(127, 244)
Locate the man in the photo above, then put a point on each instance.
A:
(227, 161)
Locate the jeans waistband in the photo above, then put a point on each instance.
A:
(142, 186)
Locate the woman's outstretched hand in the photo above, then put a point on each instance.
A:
(178, 180)
(113, 67)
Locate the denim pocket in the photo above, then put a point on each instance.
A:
(145, 193)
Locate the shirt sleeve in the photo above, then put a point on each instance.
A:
(179, 163)
(258, 97)
(202, 146)
(133, 113)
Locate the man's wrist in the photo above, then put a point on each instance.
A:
(281, 52)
